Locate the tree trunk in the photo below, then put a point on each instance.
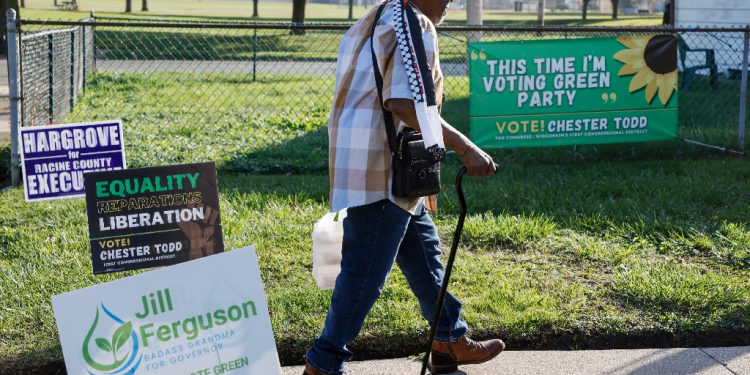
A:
(585, 7)
(298, 14)
(144, 5)
(9, 4)
(351, 9)
(23, 4)
(128, 6)
(298, 11)
(615, 5)
(255, 8)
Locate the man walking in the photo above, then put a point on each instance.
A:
(381, 229)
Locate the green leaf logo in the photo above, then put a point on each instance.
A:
(103, 345)
(119, 338)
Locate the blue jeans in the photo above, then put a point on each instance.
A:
(374, 236)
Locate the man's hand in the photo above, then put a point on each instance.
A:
(477, 162)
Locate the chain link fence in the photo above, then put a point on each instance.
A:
(54, 65)
(256, 97)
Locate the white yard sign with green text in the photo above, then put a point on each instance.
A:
(207, 316)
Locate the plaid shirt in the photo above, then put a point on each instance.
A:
(359, 156)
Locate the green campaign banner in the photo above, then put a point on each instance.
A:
(573, 91)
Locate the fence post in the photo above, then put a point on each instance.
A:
(83, 59)
(93, 43)
(743, 90)
(255, 49)
(51, 78)
(72, 69)
(15, 162)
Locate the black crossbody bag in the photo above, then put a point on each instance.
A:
(415, 174)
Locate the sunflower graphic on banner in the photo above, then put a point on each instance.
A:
(653, 60)
(573, 91)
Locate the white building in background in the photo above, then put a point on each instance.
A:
(727, 47)
(720, 13)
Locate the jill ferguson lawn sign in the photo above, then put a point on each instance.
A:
(573, 91)
(55, 157)
(149, 217)
(207, 316)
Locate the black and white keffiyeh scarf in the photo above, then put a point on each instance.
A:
(411, 45)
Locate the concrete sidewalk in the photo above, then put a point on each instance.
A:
(720, 361)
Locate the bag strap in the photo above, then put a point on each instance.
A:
(429, 85)
(390, 128)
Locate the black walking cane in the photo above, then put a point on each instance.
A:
(448, 268)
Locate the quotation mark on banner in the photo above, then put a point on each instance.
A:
(606, 97)
(481, 55)
(200, 233)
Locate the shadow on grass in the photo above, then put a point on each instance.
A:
(306, 152)
(407, 343)
(47, 361)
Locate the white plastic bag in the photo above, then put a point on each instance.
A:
(328, 235)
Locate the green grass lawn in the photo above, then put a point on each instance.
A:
(218, 10)
(590, 255)
(274, 125)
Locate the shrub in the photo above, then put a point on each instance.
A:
(4, 164)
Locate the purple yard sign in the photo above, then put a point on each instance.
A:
(55, 157)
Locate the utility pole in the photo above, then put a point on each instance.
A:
(540, 19)
(673, 13)
(474, 18)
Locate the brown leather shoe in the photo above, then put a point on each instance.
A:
(445, 357)
(311, 371)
